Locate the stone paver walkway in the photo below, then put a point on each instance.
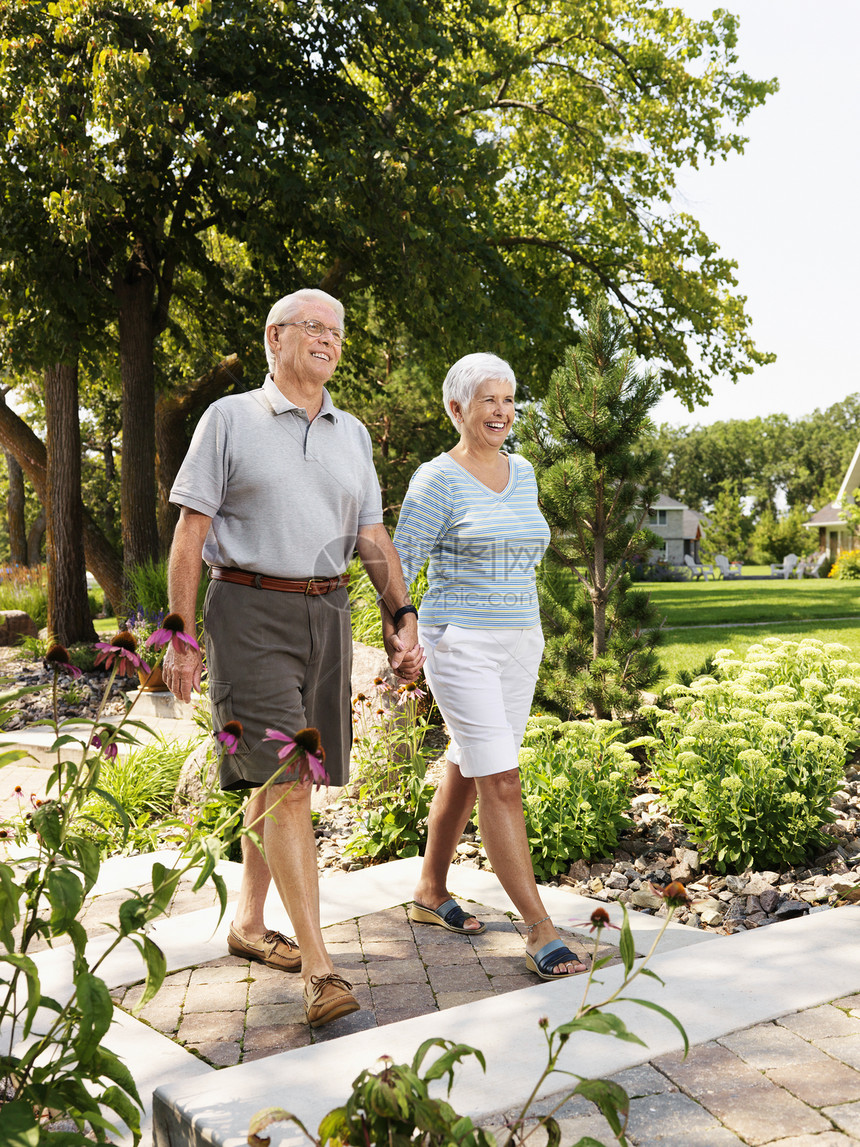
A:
(793, 1082)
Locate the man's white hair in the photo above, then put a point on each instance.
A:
(287, 309)
(467, 374)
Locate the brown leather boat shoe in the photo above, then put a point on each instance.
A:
(328, 998)
(275, 949)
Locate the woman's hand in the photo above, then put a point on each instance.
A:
(405, 655)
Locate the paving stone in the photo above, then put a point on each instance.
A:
(274, 1015)
(211, 1027)
(819, 1083)
(459, 978)
(393, 996)
(846, 1116)
(447, 955)
(397, 972)
(220, 1053)
(499, 944)
(824, 1021)
(178, 979)
(275, 1036)
(227, 961)
(281, 990)
(502, 984)
(762, 1112)
(219, 974)
(347, 956)
(847, 1001)
(674, 1120)
(346, 1025)
(454, 999)
(643, 1080)
(503, 965)
(163, 1012)
(846, 1048)
(216, 998)
(767, 1045)
(345, 933)
(386, 949)
(393, 1015)
(708, 1065)
(825, 1139)
(292, 1037)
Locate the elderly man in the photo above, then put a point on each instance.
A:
(277, 490)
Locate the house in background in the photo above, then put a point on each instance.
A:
(834, 533)
(678, 527)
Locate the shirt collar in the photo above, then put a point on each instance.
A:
(280, 404)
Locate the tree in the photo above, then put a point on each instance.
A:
(726, 531)
(595, 491)
(473, 171)
(773, 538)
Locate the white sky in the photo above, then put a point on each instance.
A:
(787, 209)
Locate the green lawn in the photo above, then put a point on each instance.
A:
(787, 609)
(686, 603)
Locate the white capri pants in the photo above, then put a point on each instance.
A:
(483, 681)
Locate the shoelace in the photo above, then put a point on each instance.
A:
(318, 982)
(273, 937)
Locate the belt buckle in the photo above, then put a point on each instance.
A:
(308, 584)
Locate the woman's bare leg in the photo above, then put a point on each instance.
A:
(449, 814)
(503, 832)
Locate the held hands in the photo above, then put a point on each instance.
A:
(182, 671)
(405, 655)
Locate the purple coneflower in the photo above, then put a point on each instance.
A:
(410, 692)
(122, 645)
(172, 632)
(57, 658)
(229, 736)
(307, 744)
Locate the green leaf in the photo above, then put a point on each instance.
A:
(96, 1011)
(625, 946)
(34, 988)
(18, 1126)
(66, 896)
(116, 1099)
(156, 970)
(663, 1012)
(109, 1066)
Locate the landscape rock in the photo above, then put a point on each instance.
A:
(15, 624)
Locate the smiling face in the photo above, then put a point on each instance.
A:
(487, 420)
(299, 358)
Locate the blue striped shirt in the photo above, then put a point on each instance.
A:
(483, 546)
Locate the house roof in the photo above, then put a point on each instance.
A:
(664, 502)
(852, 478)
(692, 524)
(827, 516)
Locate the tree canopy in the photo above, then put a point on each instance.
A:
(465, 175)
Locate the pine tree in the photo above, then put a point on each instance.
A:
(596, 483)
(725, 531)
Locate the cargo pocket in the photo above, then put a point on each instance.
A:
(221, 704)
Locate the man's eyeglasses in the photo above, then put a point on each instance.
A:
(315, 329)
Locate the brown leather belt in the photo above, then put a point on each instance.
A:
(311, 587)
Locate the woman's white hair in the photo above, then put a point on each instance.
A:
(467, 374)
(286, 309)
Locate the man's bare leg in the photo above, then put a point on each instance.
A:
(256, 878)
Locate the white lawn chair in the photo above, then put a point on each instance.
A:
(815, 566)
(696, 569)
(784, 568)
(725, 566)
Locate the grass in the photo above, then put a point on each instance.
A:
(690, 603)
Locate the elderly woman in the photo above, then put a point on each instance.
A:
(474, 512)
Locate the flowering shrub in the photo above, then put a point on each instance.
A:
(750, 757)
(576, 778)
(847, 565)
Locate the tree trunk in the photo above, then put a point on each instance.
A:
(68, 606)
(173, 412)
(34, 538)
(15, 513)
(135, 294)
(17, 437)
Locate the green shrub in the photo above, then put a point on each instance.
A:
(576, 779)
(750, 758)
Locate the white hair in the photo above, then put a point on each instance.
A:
(286, 309)
(467, 374)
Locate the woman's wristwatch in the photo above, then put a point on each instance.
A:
(404, 609)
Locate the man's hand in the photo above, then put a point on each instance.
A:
(405, 655)
(182, 671)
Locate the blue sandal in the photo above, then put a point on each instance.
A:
(548, 957)
(448, 915)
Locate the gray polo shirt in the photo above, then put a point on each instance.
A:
(286, 496)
